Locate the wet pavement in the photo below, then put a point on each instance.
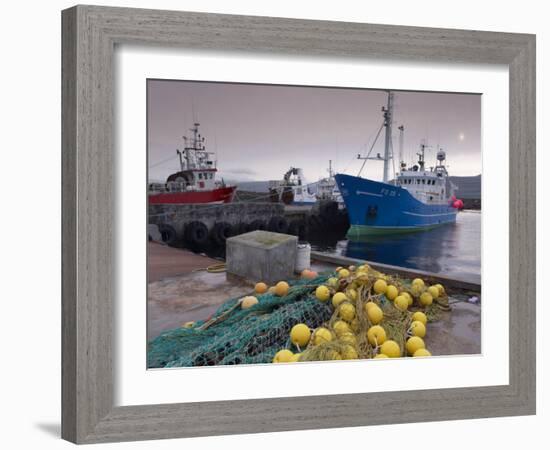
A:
(180, 290)
(457, 332)
(194, 296)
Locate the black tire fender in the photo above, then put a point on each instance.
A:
(278, 224)
(299, 228)
(220, 232)
(168, 234)
(257, 225)
(196, 233)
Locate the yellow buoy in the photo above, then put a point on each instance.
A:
(355, 325)
(441, 288)
(418, 329)
(322, 293)
(352, 268)
(338, 298)
(380, 286)
(426, 299)
(349, 352)
(283, 356)
(420, 317)
(248, 302)
(188, 324)
(340, 327)
(281, 288)
(260, 288)
(333, 282)
(344, 273)
(295, 357)
(391, 292)
(418, 281)
(381, 356)
(369, 305)
(401, 303)
(414, 343)
(347, 312)
(348, 338)
(390, 349)
(422, 352)
(321, 335)
(271, 290)
(375, 314)
(300, 334)
(434, 291)
(376, 335)
(417, 289)
(352, 294)
(407, 296)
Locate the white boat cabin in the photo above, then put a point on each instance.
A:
(430, 186)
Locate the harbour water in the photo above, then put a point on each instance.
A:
(453, 250)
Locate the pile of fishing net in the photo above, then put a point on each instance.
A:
(333, 318)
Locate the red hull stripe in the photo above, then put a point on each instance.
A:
(221, 195)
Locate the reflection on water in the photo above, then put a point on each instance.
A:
(453, 249)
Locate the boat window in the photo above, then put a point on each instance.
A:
(200, 176)
(423, 181)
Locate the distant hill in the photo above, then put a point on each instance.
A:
(252, 186)
(468, 187)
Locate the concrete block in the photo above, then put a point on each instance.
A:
(261, 256)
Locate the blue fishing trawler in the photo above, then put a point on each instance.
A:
(418, 198)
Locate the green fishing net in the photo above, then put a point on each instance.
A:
(240, 336)
(248, 336)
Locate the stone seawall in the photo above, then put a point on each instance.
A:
(232, 213)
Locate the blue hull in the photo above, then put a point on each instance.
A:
(382, 208)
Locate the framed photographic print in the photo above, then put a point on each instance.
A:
(252, 201)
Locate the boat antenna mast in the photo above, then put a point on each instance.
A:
(180, 155)
(421, 155)
(388, 154)
(402, 164)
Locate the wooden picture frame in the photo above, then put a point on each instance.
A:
(90, 34)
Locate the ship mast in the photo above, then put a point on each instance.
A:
(388, 119)
(388, 146)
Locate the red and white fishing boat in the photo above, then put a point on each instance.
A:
(196, 181)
